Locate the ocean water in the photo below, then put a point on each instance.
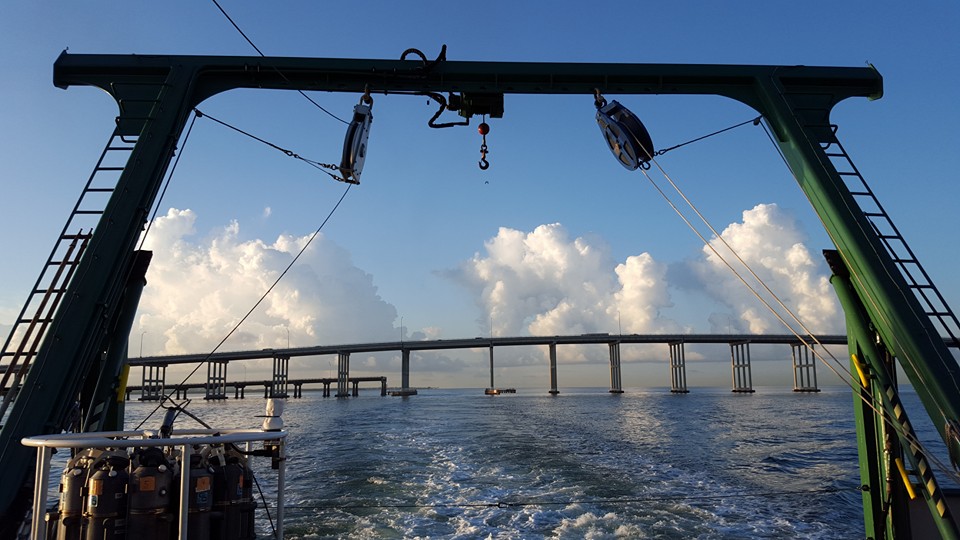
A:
(584, 464)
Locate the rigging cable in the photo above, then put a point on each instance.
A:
(847, 380)
(153, 217)
(856, 276)
(322, 167)
(255, 305)
(301, 92)
(662, 151)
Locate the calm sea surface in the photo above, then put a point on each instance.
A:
(584, 464)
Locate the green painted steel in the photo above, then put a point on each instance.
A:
(892, 308)
(155, 95)
(883, 437)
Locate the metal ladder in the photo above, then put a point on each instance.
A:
(34, 320)
(933, 303)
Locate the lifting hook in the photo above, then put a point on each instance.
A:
(483, 129)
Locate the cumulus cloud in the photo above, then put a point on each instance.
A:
(772, 243)
(198, 290)
(545, 283)
(541, 282)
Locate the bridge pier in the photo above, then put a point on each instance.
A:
(383, 386)
(740, 367)
(405, 389)
(297, 390)
(281, 370)
(326, 389)
(616, 384)
(553, 370)
(492, 385)
(216, 387)
(343, 373)
(152, 382)
(678, 368)
(238, 390)
(804, 368)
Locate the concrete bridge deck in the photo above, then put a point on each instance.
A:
(804, 362)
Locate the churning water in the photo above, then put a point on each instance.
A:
(584, 464)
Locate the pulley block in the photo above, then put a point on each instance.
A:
(355, 142)
(626, 136)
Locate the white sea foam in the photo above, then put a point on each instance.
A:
(577, 466)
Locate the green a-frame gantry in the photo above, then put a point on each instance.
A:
(156, 95)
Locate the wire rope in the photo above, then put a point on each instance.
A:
(873, 301)
(869, 297)
(322, 167)
(252, 44)
(907, 358)
(872, 404)
(156, 208)
(256, 304)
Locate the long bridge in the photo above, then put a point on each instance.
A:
(804, 361)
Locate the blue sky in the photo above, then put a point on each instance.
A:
(414, 239)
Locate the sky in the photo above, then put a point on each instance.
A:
(554, 238)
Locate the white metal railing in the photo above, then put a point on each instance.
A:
(183, 440)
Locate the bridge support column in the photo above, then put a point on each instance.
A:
(152, 382)
(356, 388)
(804, 368)
(383, 386)
(405, 369)
(343, 373)
(553, 370)
(616, 384)
(492, 386)
(740, 367)
(298, 390)
(216, 387)
(678, 369)
(326, 388)
(281, 374)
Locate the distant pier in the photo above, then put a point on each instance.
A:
(270, 390)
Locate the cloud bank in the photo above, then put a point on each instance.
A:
(539, 282)
(545, 283)
(198, 290)
(771, 243)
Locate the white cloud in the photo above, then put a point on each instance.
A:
(544, 283)
(197, 290)
(541, 282)
(771, 242)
